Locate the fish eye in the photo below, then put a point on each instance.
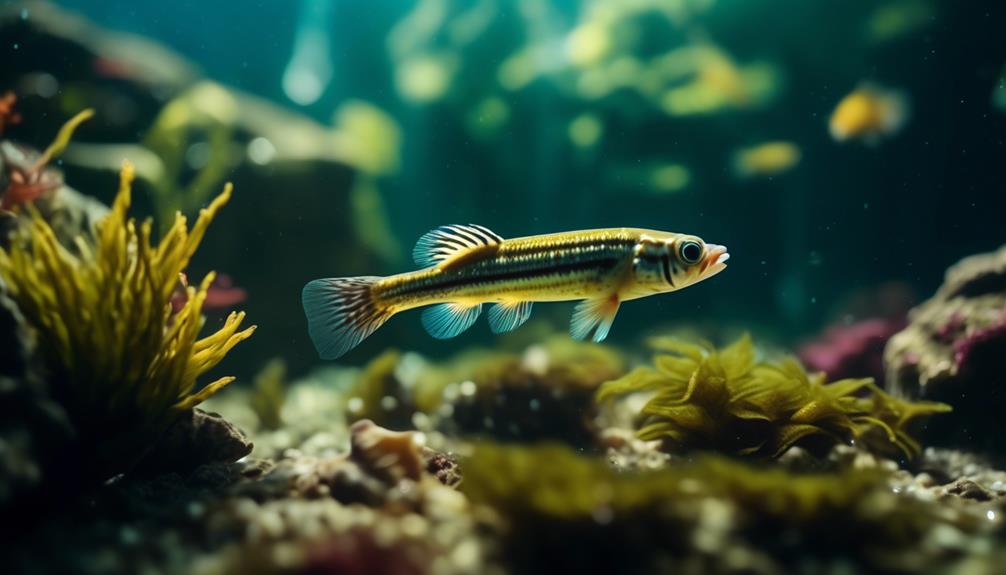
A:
(690, 252)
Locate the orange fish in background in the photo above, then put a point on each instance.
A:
(869, 113)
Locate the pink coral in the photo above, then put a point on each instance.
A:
(964, 348)
(851, 350)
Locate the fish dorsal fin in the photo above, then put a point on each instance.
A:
(449, 242)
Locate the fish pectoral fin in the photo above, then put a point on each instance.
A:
(504, 317)
(449, 242)
(446, 320)
(594, 316)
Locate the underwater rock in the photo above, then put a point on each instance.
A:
(391, 455)
(31, 425)
(382, 469)
(195, 439)
(968, 489)
(953, 349)
(16, 341)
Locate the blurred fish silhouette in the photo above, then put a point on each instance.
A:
(309, 70)
(766, 159)
(466, 266)
(869, 113)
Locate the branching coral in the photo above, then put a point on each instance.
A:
(726, 400)
(123, 361)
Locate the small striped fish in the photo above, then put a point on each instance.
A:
(467, 266)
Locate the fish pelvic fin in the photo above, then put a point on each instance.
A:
(341, 312)
(447, 320)
(592, 318)
(504, 317)
(451, 243)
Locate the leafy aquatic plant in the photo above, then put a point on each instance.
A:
(726, 400)
(376, 382)
(123, 363)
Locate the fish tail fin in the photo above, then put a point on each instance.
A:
(342, 312)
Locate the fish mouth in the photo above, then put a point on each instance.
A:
(716, 259)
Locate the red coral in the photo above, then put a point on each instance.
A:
(222, 294)
(27, 183)
(851, 350)
(27, 176)
(8, 116)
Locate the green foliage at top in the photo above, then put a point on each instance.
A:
(727, 400)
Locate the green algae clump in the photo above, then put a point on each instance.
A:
(123, 362)
(726, 400)
(696, 516)
(551, 480)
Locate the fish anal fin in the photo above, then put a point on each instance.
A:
(504, 317)
(593, 318)
(447, 320)
(449, 245)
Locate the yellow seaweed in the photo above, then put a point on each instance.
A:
(63, 138)
(726, 400)
(104, 321)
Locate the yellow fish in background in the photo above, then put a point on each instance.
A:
(766, 159)
(467, 266)
(869, 113)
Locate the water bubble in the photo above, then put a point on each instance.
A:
(198, 155)
(354, 405)
(261, 151)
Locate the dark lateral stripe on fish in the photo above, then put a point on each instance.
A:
(438, 283)
(666, 265)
